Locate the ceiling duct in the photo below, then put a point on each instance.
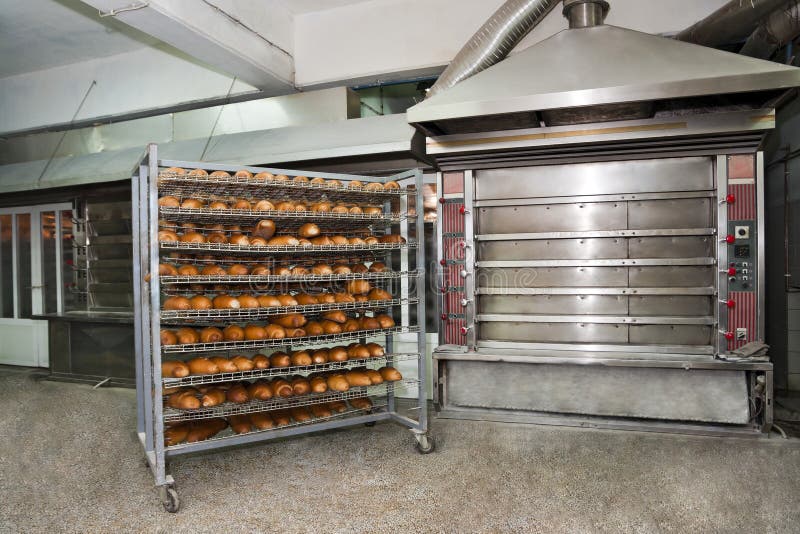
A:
(732, 23)
(777, 29)
(585, 13)
(494, 40)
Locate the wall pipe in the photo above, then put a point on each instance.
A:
(732, 23)
(778, 29)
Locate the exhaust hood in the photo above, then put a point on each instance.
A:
(602, 73)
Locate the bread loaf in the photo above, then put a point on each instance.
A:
(210, 334)
(168, 337)
(202, 366)
(338, 382)
(341, 269)
(253, 332)
(369, 323)
(385, 321)
(356, 241)
(300, 414)
(379, 294)
(260, 389)
(300, 385)
(263, 205)
(304, 299)
(320, 410)
(167, 236)
(260, 361)
(243, 363)
(357, 378)
(241, 204)
(293, 320)
(176, 434)
(275, 331)
(279, 359)
(169, 202)
(205, 429)
(268, 301)
(264, 176)
(224, 364)
(318, 384)
(372, 210)
(239, 240)
(212, 397)
(337, 316)
(222, 302)
(174, 369)
(177, 303)
(375, 350)
(313, 328)
(233, 333)
(262, 420)
(237, 394)
(301, 358)
(374, 186)
(391, 185)
(374, 376)
(308, 230)
(243, 173)
(318, 356)
(343, 297)
(287, 300)
(359, 268)
(337, 354)
(281, 388)
(258, 242)
(333, 183)
(390, 374)
(260, 270)
(321, 240)
(378, 267)
(326, 298)
(248, 302)
(329, 327)
(298, 270)
(184, 400)
(357, 352)
(283, 241)
(237, 269)
(264, 228)
(187, 270)
(285, 206)
(281, 417)
(213, 270)
(361, 403)
(351, 325)
(358, 287)
(339, 240)
(321, 269)
(240, 423)
(217, 205)
(337, 406)
(318, 181)
(200, 302)
(321, 207)
(295, 332)
(187, 336)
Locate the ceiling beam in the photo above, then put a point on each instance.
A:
(209, 31)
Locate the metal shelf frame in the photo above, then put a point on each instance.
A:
(149, 182)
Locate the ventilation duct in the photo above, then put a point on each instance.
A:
(778, 29)
(494, 40)
(731, 23)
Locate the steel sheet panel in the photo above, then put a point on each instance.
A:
(554, 304)
(671, 213)
(552, 218)
(553, 249)
(673, 276)
(554, 332)
(672, 247)
(553, 277)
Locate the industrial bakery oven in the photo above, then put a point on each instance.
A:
(602, 236)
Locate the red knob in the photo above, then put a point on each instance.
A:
(464, 330)
(444, 317)
(444, 290)
(730, 199)
(730, 239)
(442, 262)
(729, 336)
(730, 303)
(462, 210)
(732, 271)
(441, 200)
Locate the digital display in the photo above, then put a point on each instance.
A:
(741, 251)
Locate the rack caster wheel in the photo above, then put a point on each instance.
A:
(425, 444)
(169, 499)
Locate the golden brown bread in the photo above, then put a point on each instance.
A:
(374, 186)
(248, 302)
(333, 183)
(340, 208)
(174, 369)
(337, 406)
(358, 287)
(298, 270)
(187, 336)
(300, 385)
(263, 205)
(375, 350)
(369, 323)
(207, 428)
(169, 202)
(320, 410)
(226, 302)
(237, 394)
(326, 298)
(361, 403)
(184, 400)
(239, 239)
(260, 361)
(318, 356)
(337, 316)
(281, 417)
(287, 300)
(264, 176)
(220, 174)
(258, 242)
(300, 179)
(313, 328)
(260, 270)
(374, 376)
(212, 397)
(321, 268)
(168, 337)
(329, 327)
(308, 230)
(224, 364)
(268, 301)
(341, 269)
(321, 240)
(337, 354)
(356, 241)
(241, 204)
(293, 320)
(390, 374)
(177, 303)
(243, 363)
(200, 302)
(240, 423)
(378, 267)
(233, 333)
(283, 240)
(264, 228)
(355, 184)
(254, 332)
(262, 420)
(260, 389)
(385, 321)
(357, 378)
(339, 240)
(304, 299)
(167, 236)
(318, 384)
(300, 414)
(357, 352)
(210, 334)
(351, 325)
(301, 358)
(202, 366)
(318, 181)
(338, 382)
(321, 207)
(281, 388)
(188, 270)
(217, 205)
(237, 269)
(213, 270)
(343, 297)
(279, 359)
(176, 434)
(372, 210)
(295, 332)
(243, 173)
(391, 185)
(379, 294)
(359, 268)
(285, 205)
(275, 331)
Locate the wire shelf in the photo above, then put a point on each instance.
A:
(197, 380)
(305, 279)
(283, 342)
(226, 434)
(227, 248)
(259, 313)
(227, 408)
(206, 187)
(288, 218)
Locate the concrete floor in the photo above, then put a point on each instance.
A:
(69, 462)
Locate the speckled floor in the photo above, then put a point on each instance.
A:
(69, 462)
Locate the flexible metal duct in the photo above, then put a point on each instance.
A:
(777, 30)
(494, 40)
(731, 23)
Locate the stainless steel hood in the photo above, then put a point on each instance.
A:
(599, 71)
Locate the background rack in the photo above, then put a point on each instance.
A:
(407, 285)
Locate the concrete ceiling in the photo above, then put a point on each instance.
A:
(39, 34)
(307, 6)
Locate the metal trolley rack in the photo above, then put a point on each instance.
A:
(155, 416)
